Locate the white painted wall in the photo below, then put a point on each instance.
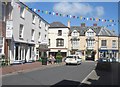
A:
(28, 26)
(53, 35)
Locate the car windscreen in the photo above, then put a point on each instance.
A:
(69, 57)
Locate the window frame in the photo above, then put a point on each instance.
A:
(21, 31)
(22, 12)
(39, 36)
(59, 32)
(33, 35)
(33, 18)
(49, 42)
(40, 21)
(102, 44)
(59, 42)
(114, 43)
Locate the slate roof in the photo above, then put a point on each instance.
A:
(100, 31)
(57, 25)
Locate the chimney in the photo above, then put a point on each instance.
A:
(95, 24)
(69, 23)
(82, 24)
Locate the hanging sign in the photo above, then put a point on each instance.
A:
(9, 29)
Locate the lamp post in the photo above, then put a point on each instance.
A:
(98, 46)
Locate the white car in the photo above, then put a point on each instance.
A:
(73, 59)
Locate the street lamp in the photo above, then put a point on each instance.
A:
(98, 46)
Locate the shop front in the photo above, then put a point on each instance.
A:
(23, 53)
(108, 53)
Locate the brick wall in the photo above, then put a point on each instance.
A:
(2, 28)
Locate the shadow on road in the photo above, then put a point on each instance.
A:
(105, 74)
(69, 83)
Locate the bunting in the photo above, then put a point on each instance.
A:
(72, 16)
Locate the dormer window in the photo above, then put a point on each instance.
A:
(75, 33)
(90, 33)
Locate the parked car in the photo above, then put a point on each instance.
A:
(73, 59)
(106, 60)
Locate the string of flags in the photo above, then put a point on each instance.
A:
(71, 16)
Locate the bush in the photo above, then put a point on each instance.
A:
(58, 57)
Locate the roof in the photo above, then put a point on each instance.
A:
(57, 25)
(100, 31)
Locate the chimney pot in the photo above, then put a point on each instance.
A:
(95, 24)
(69, 23)
(82, 24)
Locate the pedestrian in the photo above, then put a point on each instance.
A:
(50, 59)
(53, 59)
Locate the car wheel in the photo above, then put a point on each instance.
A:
(66, 63)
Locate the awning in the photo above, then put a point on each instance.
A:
(107, 50)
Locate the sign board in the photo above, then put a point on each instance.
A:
(1, 40)
(9, 29)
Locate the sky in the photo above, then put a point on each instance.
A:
(102, 10)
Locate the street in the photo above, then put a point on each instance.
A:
(63, 75)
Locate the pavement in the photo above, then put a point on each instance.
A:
(27, 67)
(104, 77)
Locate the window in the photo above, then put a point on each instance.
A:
(45, 37)
(60, 42)
(40, 23)
(39, 37)
(21, 31)
(33, 18)
(90, 33)
(22, 12)
(75, 33)
(45, 27)
(59, 32)
(90, 43)
(75, 43)
(103, 43)
(48, 42)
(113, 43)
(32, 34)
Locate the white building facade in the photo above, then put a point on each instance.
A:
(28, 32)
(58, 39)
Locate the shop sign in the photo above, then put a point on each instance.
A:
(9, 29)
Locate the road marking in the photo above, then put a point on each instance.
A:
(87, 77)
